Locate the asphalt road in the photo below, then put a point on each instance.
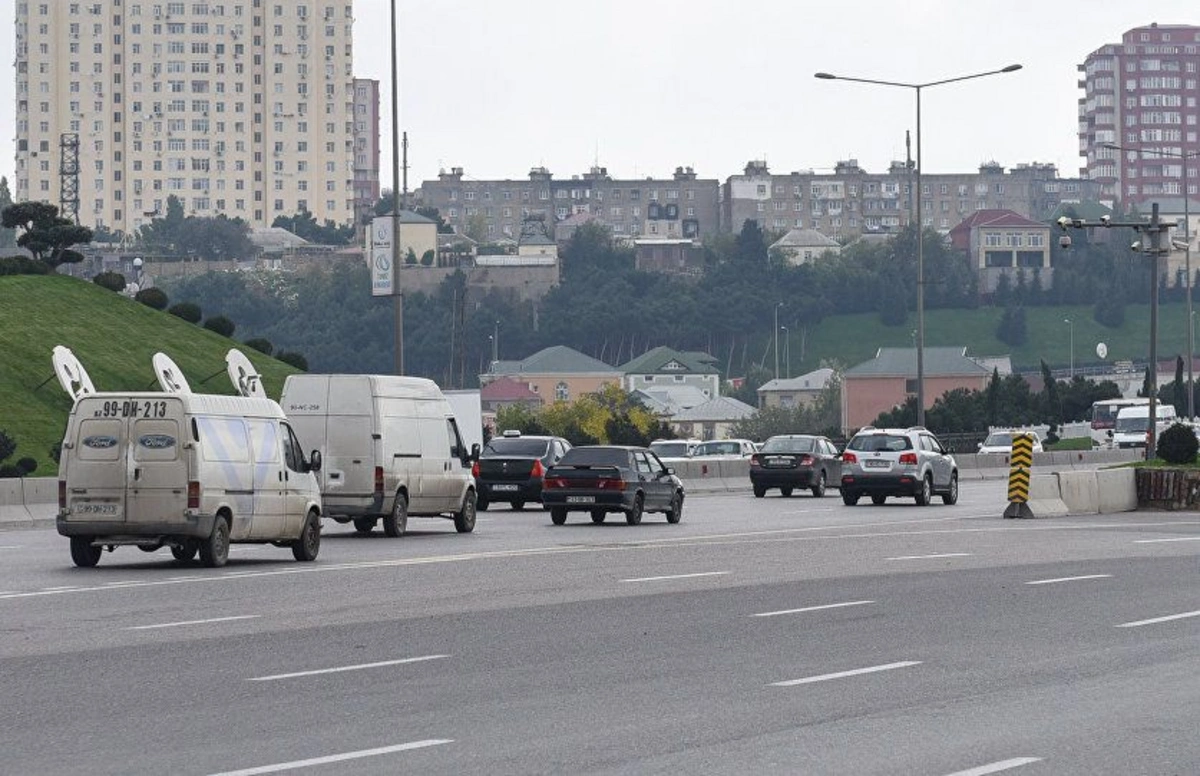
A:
(789, 636)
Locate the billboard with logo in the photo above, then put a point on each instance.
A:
(379, 254)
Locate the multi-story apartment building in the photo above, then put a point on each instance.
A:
(683, 206)
(850, 201)
(366, 149)
(1141, 94)
(241, 107)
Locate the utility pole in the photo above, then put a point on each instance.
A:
(397, 293)
(404, 167)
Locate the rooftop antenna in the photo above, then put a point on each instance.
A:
(246, 381)
(170, 376)
(71, 375)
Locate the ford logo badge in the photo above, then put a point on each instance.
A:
(100, 442)
(156, 441)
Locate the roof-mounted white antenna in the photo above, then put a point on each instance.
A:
(71, 375)
(242, 374)
(170, 376)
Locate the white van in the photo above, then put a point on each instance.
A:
(391, 448)
(1133, 423)
(193, 472)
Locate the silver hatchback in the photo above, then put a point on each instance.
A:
(882, 462)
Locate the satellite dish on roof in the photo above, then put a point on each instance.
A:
(170, 376)
(71, 375)
(1102, 350)
(242, 374)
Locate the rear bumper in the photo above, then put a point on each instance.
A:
(890, 484)
(336, 504)
(198, 527)
(526, 490)
(774, 478)
(609, 502)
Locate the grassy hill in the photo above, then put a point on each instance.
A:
(115, 339)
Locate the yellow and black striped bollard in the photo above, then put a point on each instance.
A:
(1020, 464)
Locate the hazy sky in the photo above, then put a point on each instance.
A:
(498, 86)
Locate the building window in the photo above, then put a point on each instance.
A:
(561, 392)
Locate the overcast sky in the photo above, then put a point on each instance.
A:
(498, 86)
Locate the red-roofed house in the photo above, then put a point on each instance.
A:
(1000, 242)
(505, 391)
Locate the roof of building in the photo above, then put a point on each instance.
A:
(902, 362)
(507, 389)
(720, 409)
(805, 238)
(536, 238)
(816, 380)
(671, 399)
(1087, 209)
(997, 219)
(557, 359)
(275, 238)
(1172, 205)
(411, 217)
(665, 360)
(1000, 364)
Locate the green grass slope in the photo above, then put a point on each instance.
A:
(115, 339)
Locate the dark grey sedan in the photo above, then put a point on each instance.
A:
(600, 479)
(791, 461)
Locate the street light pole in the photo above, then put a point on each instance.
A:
(1071, 328)
(397, 294)
(920, 214)
(495, 338)
(777, 306)
(787, 353)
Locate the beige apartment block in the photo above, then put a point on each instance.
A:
(236, 107)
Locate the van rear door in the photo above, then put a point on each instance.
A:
(158, 479)
(94, 467)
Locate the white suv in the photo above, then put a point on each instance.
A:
(882, 462)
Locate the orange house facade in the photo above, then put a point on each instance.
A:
(556, 373)
(886, 381)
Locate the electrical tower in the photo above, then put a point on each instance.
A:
(68, 173)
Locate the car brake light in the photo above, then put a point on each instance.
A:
(755, 460)
(193, 495)
(611, 483)
(62, 494)
(537, 470)
(909, 459)
(849, 458)
(554, 482)
(379, 480)
(475, 469)
(806, 460)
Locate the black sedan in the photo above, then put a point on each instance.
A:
(511, 467)
(795, 461)
(599, 479)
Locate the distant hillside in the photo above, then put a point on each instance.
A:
(115, 339)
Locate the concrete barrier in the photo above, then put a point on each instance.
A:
(41, 498)
(12, 504)
(1045, 499)
(1116, 490)
(1078, 491)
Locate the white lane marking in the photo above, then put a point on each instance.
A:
(1068, 579)
(60, 589)
(337, 758)
(1164, 541)
(341, 669)
(936, 555)
(812, 608)
(124, 582)
(844, 674)
(1156, 620)
(10, 546)
(677, 576)
(1003, 765)
(192, 622)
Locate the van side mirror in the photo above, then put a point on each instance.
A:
(979, 446)
(474, 452)
(314, 462)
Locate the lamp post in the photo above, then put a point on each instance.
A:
(920, 217)
(1187, 254)
(397, 294)
(777, 306)
(787, 354)
(495, 338)
(1071, 325)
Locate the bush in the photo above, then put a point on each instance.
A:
(9, 473)
(7, 445)
(263, 346)
(56, 452)
(22, 265)
(1109, 312)
(27, 466)
(221, 325)
(113, 281)
(152, 297)
(1178, 444)
(295, 359)
(187, 311)
(427, 258)
(1011, 330)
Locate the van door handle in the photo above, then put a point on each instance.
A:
(281, 476)
(137, 473)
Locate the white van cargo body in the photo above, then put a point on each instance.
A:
(1133, 423)
(190, 471)
(391, 448)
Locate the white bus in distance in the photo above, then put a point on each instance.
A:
(1104, 418)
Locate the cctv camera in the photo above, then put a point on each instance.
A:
(1106, 220)
(1136, 247)
(1064, 222)
(1064, 241)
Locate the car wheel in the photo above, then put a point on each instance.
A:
(558, 515)
(518, 505)
(396, 521)
(364, 525)
(759, 491)
(634, 515)
(818, 490)
(214, 551)
(186, 550)
(926, 494)
(878, 500)
(464, 519)
(83, 553)
(950, 497)
(849, 497)
(786, 492)
(598, 516)
(481, 504)
(305, 548)
(675, 513)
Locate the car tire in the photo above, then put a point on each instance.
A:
(558, 515)
(306, 548)
(879, 500)
(786, 492)
(818, 490)
(83, 553)
(675, 512)
(849, 497)
(396, 521)
(186, 550)
(214, 551)
(950, 497)
(518, 505)
(464, 518)
(634, 515)
(598, 516)
(925, 495)
(364, 525)
(759, 491)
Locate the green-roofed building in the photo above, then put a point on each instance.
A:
(663, 367)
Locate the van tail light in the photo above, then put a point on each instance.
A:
(379, 481)
(538, 470)
(908, 459)
(475, 469)
(755, 461)
(193, 495)
(849, 458)
(62, 494)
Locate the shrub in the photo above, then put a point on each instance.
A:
(1178, 444)
(9, 472)
(410, 258)
(187, 311)
(113, 281)
(295, 359)
(263, 346)
(56, 452)
(22, 265)
(1109, 312)
(221, 325)
(27, 466)
(427, 258)
(152, 297)
(7, 445)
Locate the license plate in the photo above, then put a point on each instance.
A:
(506, 487)
(779, 461)
(876, 464)
(581, 499)
(107, 510)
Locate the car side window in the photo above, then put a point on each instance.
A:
(643, 465)
(293, 455)
(656, 465)
(456, 443)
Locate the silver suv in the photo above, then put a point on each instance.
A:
(882, 462)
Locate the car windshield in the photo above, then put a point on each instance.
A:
(1133, 424)
(998, 440)
(505, 446)
(879, 443)
(716, 448)
(670, 449)
(595, 456)
(788, 445)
